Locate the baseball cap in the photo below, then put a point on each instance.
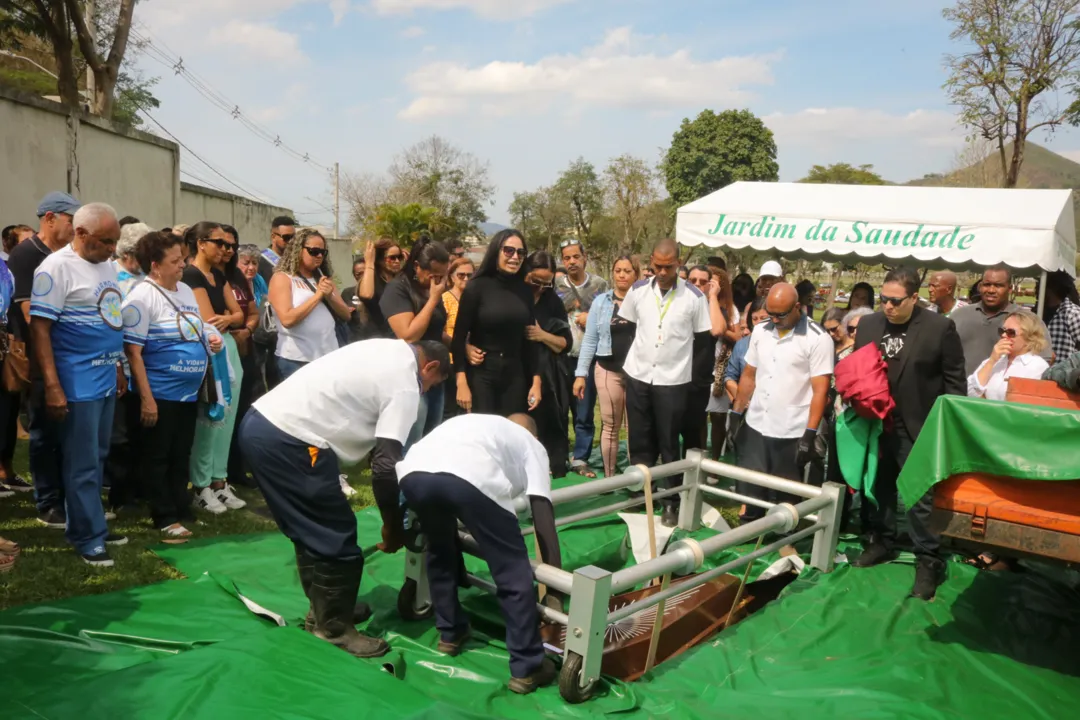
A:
(58, 202)
(771, 269)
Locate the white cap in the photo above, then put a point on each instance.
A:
(772, 269)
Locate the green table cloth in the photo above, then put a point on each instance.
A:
(965, 435)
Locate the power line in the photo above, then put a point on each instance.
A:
(145, 42)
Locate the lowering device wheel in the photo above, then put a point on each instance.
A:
(570, 680)
(407, 604)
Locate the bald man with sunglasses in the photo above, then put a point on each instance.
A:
(782, 396)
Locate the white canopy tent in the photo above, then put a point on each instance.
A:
(1032, 231)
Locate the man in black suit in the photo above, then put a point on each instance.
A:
(926, 361)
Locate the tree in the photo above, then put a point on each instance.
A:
(715, 150)
(405, 223)
(1025, 54)
(843, 174)
(580, 186)
(436, 173)
(630, 185)
(48, 20)
(543, 216)
(106, 68)
(132, 94)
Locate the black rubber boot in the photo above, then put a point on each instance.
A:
(305, 565)
(929, 574)
(333, 598)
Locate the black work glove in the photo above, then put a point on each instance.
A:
(808, 449)
(735, 423)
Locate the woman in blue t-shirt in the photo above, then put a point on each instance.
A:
(168, 346)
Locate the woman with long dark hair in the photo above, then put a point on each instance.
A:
(742, 291)
(719, 403)
(862, 295)
(495, 309)
(413, 308)
(217, 307)
(551, 334)
(382, 263)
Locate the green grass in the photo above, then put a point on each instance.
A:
(49, 569)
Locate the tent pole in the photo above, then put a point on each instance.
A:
(1042, 295)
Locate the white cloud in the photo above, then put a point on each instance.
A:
(608, 75)
(260, 41)
(339, 8)
(492, 9)
(413, 31)
(293, 96)
(822, 126)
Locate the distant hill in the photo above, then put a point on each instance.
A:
(490, 228)
(1042, 170)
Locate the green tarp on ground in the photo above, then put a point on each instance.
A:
(973, 435)
(843, 645)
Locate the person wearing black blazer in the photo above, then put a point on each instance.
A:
(925, 361)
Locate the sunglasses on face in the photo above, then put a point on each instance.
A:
(287, 237)
(1007, 332)
(833, 329)
(781, 315)
(851, 329)
(393, 258)
(894, 301)
(315, 251)
(230, 247)
(220, 243)
(510, 252)
(463, 276)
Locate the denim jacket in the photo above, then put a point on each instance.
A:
(737, 361)
(597, 339)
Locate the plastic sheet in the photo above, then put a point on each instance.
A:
(972, 435)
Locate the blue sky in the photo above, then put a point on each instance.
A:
(530, 85)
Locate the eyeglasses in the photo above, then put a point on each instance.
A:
(896, 301)
(851, 329)
(1007, 332)
(510, 252)
(217, 241)
(315, 252)
(230, 247)
(569, 242)
(286, 237)
(781, 315)
(833, 329)
(394, 258)
(463, 276)
(541, 285)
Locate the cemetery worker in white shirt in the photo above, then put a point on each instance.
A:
(668, 312)
(77, 330)
(333, 412)
(783, 391)
(472, 468)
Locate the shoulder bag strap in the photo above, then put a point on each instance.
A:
(181, 313)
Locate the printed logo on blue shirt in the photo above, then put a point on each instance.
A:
(110, 303)
(43, 283)
(190, 326)
(132, 316)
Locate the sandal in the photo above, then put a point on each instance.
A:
(583, 470)
(7, 563)
(9, 548)
(176, 534)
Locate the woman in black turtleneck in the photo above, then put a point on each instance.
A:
(495, 309)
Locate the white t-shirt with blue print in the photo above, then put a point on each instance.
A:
(83, 300)
(173, 352)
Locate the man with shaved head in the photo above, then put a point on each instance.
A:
(77, 327)
(668, 312)
(782, 395)
(942, 292)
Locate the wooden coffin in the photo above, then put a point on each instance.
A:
(1023, 517)
(689, 618)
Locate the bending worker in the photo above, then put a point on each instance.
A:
(472, 468)
(333, 412)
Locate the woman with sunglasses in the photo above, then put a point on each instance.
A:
(383, 260)
(460, 273)
(305, 303)
(218, 307)
(412, 305)
(1016, 354)
(500, 378)
(607, 339)
(551, 334)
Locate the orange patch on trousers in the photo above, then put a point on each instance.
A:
(314, 453)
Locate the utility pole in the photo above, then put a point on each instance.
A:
(337, 200)
(91, 84)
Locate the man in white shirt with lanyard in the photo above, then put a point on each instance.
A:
(472, 468)
(783, 392)
(332, 412)
(668, 312)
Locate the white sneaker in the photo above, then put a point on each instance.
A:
(110, 515)
(208, 500)
(225, 495)
(346, 488)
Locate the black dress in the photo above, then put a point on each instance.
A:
(552, 413)
(492, 315)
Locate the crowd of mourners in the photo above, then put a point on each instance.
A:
(136, 352)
